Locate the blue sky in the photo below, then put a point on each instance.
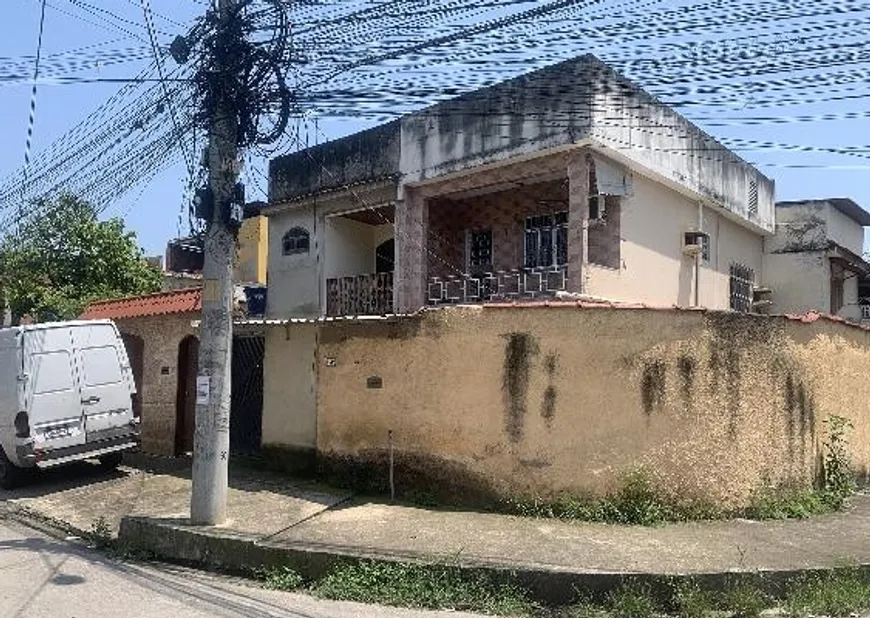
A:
(154, 212)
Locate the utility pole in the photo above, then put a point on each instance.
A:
(211, 441)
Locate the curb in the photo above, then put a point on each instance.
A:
(31, 518)
(220, 550)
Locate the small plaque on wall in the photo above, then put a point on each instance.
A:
(374, 382)
(165, 371)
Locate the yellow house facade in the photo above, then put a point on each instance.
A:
(253, 251)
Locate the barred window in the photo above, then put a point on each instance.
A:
(480, 248)
(546, 241)
(742, 283)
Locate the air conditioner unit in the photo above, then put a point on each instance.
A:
(694, 242)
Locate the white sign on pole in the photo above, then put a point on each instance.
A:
(203, 390)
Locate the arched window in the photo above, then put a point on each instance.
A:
(295, 241)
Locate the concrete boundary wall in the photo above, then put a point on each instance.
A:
(488, 403)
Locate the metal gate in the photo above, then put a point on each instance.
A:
(246, 412)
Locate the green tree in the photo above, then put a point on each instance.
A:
(64, 257)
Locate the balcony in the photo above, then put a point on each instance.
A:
(360, 295)
(505, 285)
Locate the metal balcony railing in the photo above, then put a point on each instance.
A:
(360, 295)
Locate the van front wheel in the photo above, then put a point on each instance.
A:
(111, 461)
(10, 474)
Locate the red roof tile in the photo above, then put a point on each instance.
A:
(163, 303)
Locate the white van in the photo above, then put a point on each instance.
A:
(65, 395)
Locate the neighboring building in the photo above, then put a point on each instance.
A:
(567, 179)
(180, 281)
(814, 261)
(184, 257)
(161, 334)
(253, 252)
(157, 328)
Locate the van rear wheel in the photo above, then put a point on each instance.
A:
(10, 474)
(111, 460)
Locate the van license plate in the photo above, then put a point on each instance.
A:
(62, 432)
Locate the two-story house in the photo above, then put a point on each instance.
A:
(570, 179)
(814, 261)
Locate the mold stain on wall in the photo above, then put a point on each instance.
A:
(652, 386)
(687, 367)
(799, 413)
(548, 403)
(516, 374)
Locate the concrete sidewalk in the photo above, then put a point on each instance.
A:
(277, 521)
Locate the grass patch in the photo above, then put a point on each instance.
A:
(631, 602)
(281, 578)
(837, 593)
(841, 592)
(692, 601)
(744, 601)
(637, 502)
(422, 586)
(785, 503)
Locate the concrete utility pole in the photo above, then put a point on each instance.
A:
(211, 443)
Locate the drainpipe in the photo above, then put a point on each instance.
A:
(699, 256)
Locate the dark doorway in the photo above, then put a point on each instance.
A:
(185, 405)
(136, 354)
(385, 256)
(246, 412)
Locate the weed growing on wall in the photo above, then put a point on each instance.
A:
(637, 502)
(839, 478)
(100, 534)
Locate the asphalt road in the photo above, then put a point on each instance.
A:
(43, 577)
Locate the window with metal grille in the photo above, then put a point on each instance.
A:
(295, 241)
(865, 312)
(480, 248)
(546, 242)
(753, 198)
(742, 283)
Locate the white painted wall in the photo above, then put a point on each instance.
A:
(844, 230)
(293, 281)
(381, 233)
(654, 269)
(851, 310)
(349, 248)
(289, 398)
(800, 282)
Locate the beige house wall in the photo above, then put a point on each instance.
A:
(289, 393)
(654, 269)
(496, 402)
(162, 335)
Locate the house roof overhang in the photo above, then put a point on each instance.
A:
(847, 259)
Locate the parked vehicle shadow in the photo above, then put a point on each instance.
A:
(38, 483)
